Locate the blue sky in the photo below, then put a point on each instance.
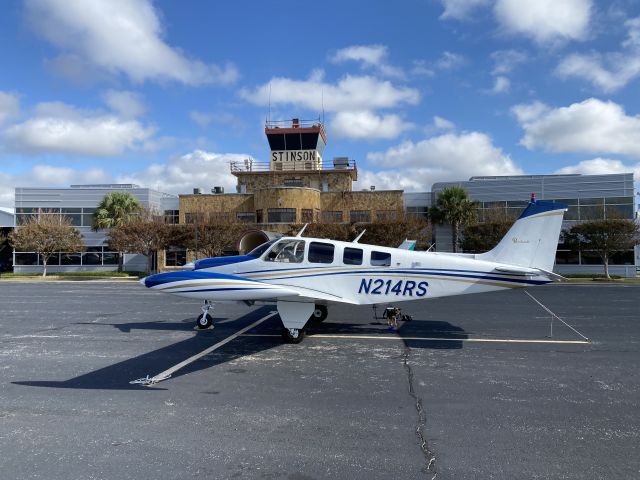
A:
(165, 94)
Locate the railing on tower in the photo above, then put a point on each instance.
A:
(249, 165)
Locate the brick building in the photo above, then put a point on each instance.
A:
(295, 186)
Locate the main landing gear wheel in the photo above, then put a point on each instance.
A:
(204, 321)
(293, 335)
(320, 314)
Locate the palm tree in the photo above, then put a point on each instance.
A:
(114, 210)
(454, 206)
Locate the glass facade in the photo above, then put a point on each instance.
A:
(79, 217)
(94, 256)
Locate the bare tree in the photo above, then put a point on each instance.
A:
(145, 234)
(483, 236)
(333, 231)
(388, 233)
(46, 234)
(393, 233)
(604, 237)
(213, 235)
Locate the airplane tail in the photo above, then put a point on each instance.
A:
(532, 241)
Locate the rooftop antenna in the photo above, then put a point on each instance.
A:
(269, 114)
(359, 236)
(300, 232)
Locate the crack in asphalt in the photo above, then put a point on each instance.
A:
(430, 457)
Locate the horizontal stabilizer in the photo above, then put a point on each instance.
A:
(518, 270)
(514, 270)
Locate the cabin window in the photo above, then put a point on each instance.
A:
(286, 251)
(352, 256)
(321, 252)
(380, 259)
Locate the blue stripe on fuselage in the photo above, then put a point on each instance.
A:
(168, 277)
(485, 276)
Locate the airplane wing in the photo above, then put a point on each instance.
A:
(221, 287)
(312, 295)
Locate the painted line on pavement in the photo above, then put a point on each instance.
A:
(436, 339)
(170, 371)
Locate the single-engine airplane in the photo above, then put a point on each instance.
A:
(304, 276)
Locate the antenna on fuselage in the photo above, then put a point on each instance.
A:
(359, 236)
(300, 232)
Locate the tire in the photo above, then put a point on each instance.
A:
(204, 321)
(320, 314)
(295, 337)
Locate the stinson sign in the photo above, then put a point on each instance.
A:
(296, 159)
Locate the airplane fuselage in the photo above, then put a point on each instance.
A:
(360, 274)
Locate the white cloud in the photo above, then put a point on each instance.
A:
(369, 56)
(545, 21)
(610, 71)
(461, 9)
(601, 166)
(416, 166)
(450, 61)
(349, 94)
(633, 34)
(500, 85)
(505, 61)
(9, 106)
(181, 174)
(366, 125)
(421, 69)
(60, 128)
(177, 175)
(47, 176)
(442, 123)
(127, 104)
(591, 126)
(202, 119)
(120, 37)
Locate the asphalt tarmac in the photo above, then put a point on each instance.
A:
(473, 387)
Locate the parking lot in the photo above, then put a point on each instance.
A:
(473, 387)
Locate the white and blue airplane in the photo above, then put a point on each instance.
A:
(303, 276)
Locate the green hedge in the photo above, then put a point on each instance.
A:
(74, 274)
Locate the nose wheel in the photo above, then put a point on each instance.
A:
(205, 319)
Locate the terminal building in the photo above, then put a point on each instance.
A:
(78, 203)
(589, 197)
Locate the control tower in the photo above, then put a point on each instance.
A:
(295, 144)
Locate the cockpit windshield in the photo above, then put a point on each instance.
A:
(286, 251)
(260, 249)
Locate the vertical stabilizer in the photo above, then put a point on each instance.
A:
(532, 241)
